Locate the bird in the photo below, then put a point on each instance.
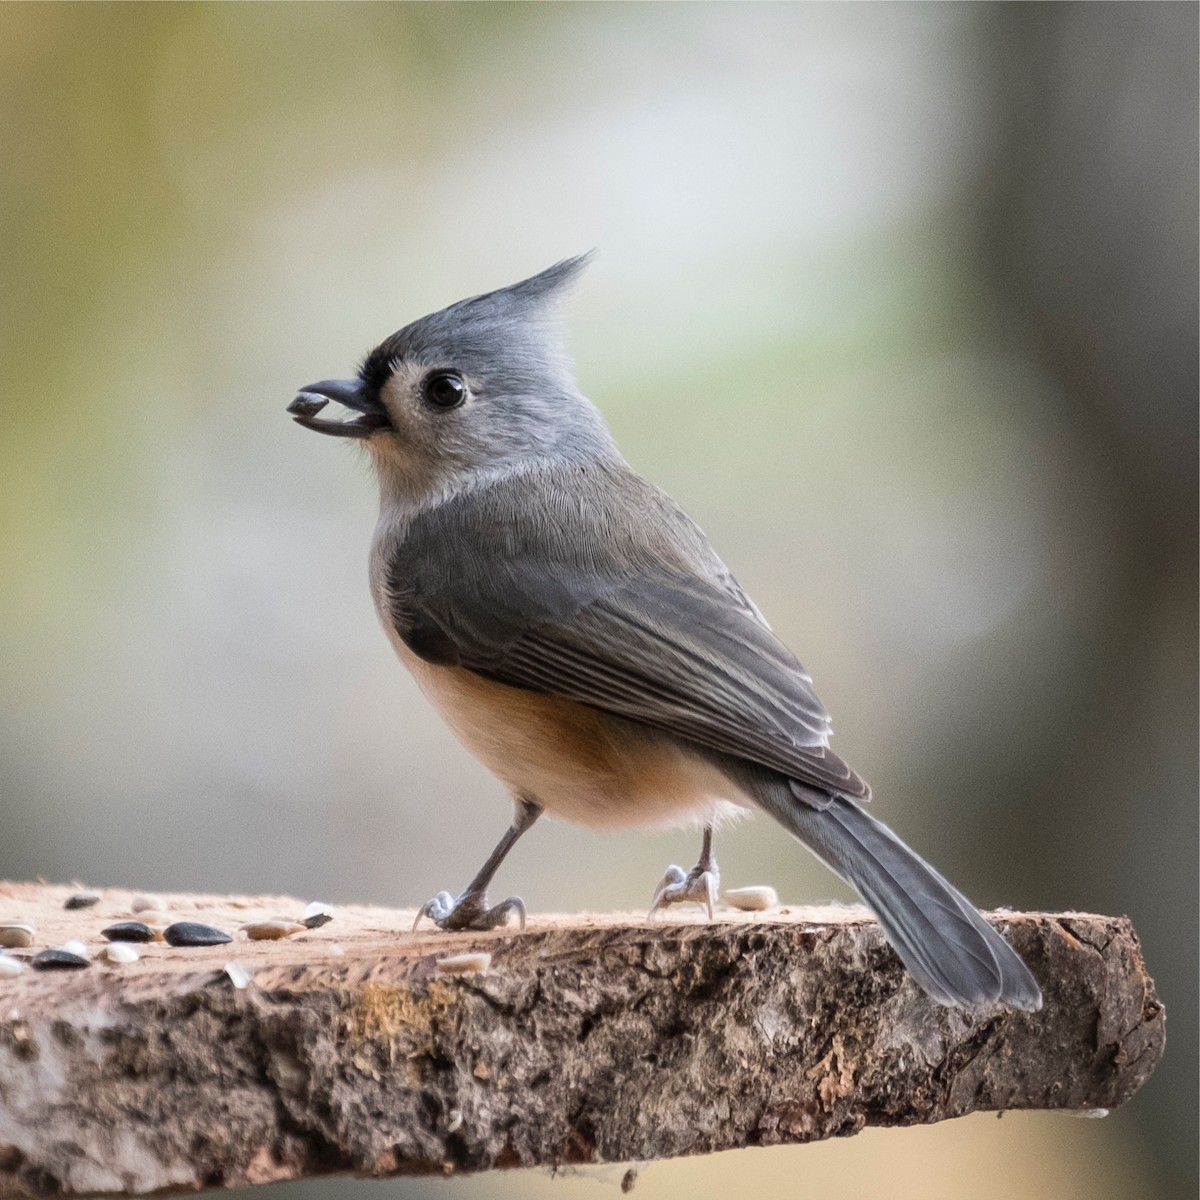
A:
(580, 636)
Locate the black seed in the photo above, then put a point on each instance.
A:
(317, 920)
(57, 960)
(82, 900)
(128, 931)
(188, 933)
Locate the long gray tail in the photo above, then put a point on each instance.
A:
(951, 951)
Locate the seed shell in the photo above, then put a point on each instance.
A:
(189, 933)
(238, 975)
(147, 901)
(10, 967)
(57, 960)
(270, 931)
(128, 931)
(121, 952)
(82, 900)
(751, 899)
(317, 914)
(13, 937)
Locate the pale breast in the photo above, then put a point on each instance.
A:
(573, 760)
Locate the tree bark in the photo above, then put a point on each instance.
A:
(593, 1038)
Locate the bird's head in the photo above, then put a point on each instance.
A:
(479, 389)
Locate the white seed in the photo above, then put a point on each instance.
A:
(270, 931)
(454, 1123)
(751, 899)
(121, 952)
(10, 967)
(14, 936)
(238, 975)
(337, 950)
(464, 964)
(75, 947)
(318, 913)
(148, 901)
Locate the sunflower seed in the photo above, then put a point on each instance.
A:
(15, 936)
(464, 964)
(270, 931)
(75, 947)
(128, 931)
(144, 901)
(317, 914)
(82, 900)
(751, 899)
(57, 960)
(189, 933)
(10, 967)
(121, 952)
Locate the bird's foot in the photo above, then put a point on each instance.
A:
(700, 885)
(470, 911)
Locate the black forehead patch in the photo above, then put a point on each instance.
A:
(378, 366)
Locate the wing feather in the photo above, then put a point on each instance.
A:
(586, 613)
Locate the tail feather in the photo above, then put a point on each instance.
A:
(950, 950)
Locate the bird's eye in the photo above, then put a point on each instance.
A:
(445, 390)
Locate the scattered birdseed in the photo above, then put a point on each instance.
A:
(317, 914)
(238, 975)
(10, 967)
(144, 901)
(128, 931)
(454, 1124)
(121, 952)
(270, 931)
(464, 964)
(628, 1181)
(82, 900)
(189, 933)
(75, 947)
(751, 899)
(57, 960)
(15, 936)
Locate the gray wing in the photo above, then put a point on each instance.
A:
(598, 619)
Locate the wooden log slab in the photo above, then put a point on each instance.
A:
(357, 1048)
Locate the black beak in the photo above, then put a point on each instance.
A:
(352, 393)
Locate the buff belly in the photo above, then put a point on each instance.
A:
(573, 760)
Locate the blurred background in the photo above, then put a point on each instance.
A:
(899, 301)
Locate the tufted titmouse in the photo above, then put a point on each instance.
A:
(583, 640)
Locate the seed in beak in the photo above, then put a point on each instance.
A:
(307, 405)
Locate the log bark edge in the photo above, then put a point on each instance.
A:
(593, 1038)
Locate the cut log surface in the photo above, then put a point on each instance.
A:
(356, 1047)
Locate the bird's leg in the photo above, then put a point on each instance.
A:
(700, 884)
(470, 910)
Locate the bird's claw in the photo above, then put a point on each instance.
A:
(699, 885)
(469, 911)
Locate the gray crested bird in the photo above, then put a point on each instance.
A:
(580, 636)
